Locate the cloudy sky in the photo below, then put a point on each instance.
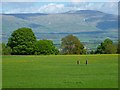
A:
(57, 6)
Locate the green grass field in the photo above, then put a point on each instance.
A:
(60, 71)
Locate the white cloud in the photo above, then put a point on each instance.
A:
(108, 7)
(52, 8)
(18, 0)
(59, 0)
(60, 8)
(49, 8)
(76, 1)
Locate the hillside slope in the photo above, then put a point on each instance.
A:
(87, 25)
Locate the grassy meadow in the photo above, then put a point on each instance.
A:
(60, 71)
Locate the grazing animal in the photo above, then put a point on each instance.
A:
(86, 62)
(78, 62)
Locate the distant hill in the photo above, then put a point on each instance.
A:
(89, 25)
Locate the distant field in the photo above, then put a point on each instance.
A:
(60, 71)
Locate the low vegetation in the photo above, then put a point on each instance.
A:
(60, 71)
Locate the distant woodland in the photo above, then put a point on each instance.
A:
(23, 42)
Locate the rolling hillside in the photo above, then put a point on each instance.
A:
(91, 27)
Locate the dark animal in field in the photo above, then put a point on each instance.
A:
(78, 62)
(86, 62)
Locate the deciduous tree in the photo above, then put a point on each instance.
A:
(72, 45)
(106, 47)
(6, 50)
(45, 47)
(22, 41)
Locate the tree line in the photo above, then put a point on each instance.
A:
(23, 42)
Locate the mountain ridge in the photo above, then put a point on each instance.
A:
(87, 25)
(71, 11)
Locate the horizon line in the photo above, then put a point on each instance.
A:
(69, 12)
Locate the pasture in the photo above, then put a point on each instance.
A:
(60, 71)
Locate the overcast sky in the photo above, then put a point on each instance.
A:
(107, 6)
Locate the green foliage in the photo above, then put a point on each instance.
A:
(0, 49)
(45, 47)
(110, 49)
(72, 45)
(22, 41)
(106, 47)
(92, 52)
(118, 47)
(6, 50)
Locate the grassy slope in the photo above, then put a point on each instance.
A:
(60, 71)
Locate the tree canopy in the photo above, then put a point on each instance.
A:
(72, 45)
(5, 50)
(118, 47)
(22, 41)
(106, 47)
(45, 47)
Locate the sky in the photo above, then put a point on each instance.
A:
(54, 6)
